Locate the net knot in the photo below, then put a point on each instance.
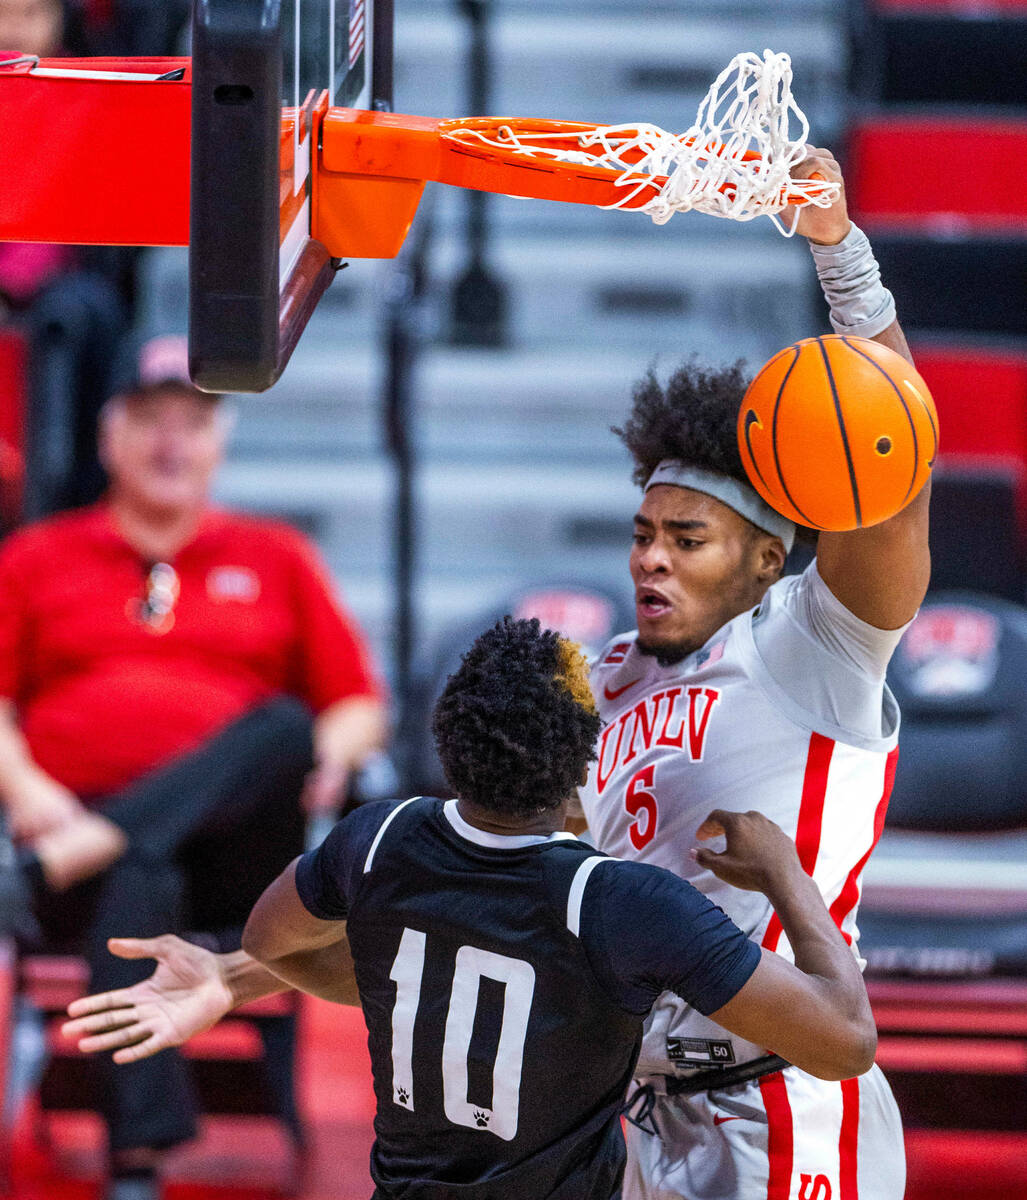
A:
(736, 160)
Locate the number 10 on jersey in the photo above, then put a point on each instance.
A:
(472, 964)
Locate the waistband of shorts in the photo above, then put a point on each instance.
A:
(718, 1078)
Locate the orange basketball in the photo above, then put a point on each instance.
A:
(838, 432)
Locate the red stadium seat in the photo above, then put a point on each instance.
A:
(942, 200)
(243, 1066)
(938, 174)
(981, 395)
(955, 1052)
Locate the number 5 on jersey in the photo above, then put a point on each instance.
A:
(472, 965)
(640, 803)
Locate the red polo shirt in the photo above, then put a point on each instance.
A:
(103, 697)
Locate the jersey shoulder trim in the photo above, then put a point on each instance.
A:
(381, 831)
(615, 650)
(577, 889)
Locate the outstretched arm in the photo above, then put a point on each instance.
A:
(300, 949)
(816, 1013)
(879, 573)
(190, 990)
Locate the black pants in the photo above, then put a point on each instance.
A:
(206, 834)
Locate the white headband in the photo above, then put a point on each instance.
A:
(732, 492)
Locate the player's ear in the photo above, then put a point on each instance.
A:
(770, 558)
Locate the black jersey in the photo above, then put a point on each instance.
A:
(504, 981)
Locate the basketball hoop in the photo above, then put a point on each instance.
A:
(134, 154)
(369, 167)
(735, 161)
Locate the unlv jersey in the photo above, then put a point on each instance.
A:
(504, 993)
(785, 711)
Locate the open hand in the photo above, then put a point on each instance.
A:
(758, 852)
(826, 226)
(185, 995)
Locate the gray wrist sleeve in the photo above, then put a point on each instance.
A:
(851, 280)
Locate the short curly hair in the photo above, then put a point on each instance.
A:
(516, 725)
(693, 419)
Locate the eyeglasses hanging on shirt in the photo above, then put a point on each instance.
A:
(156, 608)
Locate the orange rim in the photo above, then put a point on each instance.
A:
(549, 135)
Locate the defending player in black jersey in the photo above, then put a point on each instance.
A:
(504, 967)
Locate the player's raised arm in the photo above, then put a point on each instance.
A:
(298, 926)
(879, 573)
(816, 1013)
(305, 951)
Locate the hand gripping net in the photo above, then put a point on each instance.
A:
(734, 162)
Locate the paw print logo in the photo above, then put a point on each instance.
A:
(481, 1119)
(402, 1096)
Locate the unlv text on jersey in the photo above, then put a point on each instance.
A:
(657, 720)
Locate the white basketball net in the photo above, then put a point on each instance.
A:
(748, 108)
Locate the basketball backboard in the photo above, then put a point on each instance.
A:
(286, 178)
(263, 73)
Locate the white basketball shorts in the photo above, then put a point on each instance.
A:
(786, 1136)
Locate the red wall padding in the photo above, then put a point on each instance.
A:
(99, 162)
(981, 397)
(938, 172)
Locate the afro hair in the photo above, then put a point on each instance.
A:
(516, 726)
(692, 419)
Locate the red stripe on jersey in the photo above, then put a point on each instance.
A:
(849, 895)
(848, 1183)
(617, 653)
(811, 818)
(779, 1135)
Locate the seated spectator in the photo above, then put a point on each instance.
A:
(160, 662)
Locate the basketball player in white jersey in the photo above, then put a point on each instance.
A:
(741, 689)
